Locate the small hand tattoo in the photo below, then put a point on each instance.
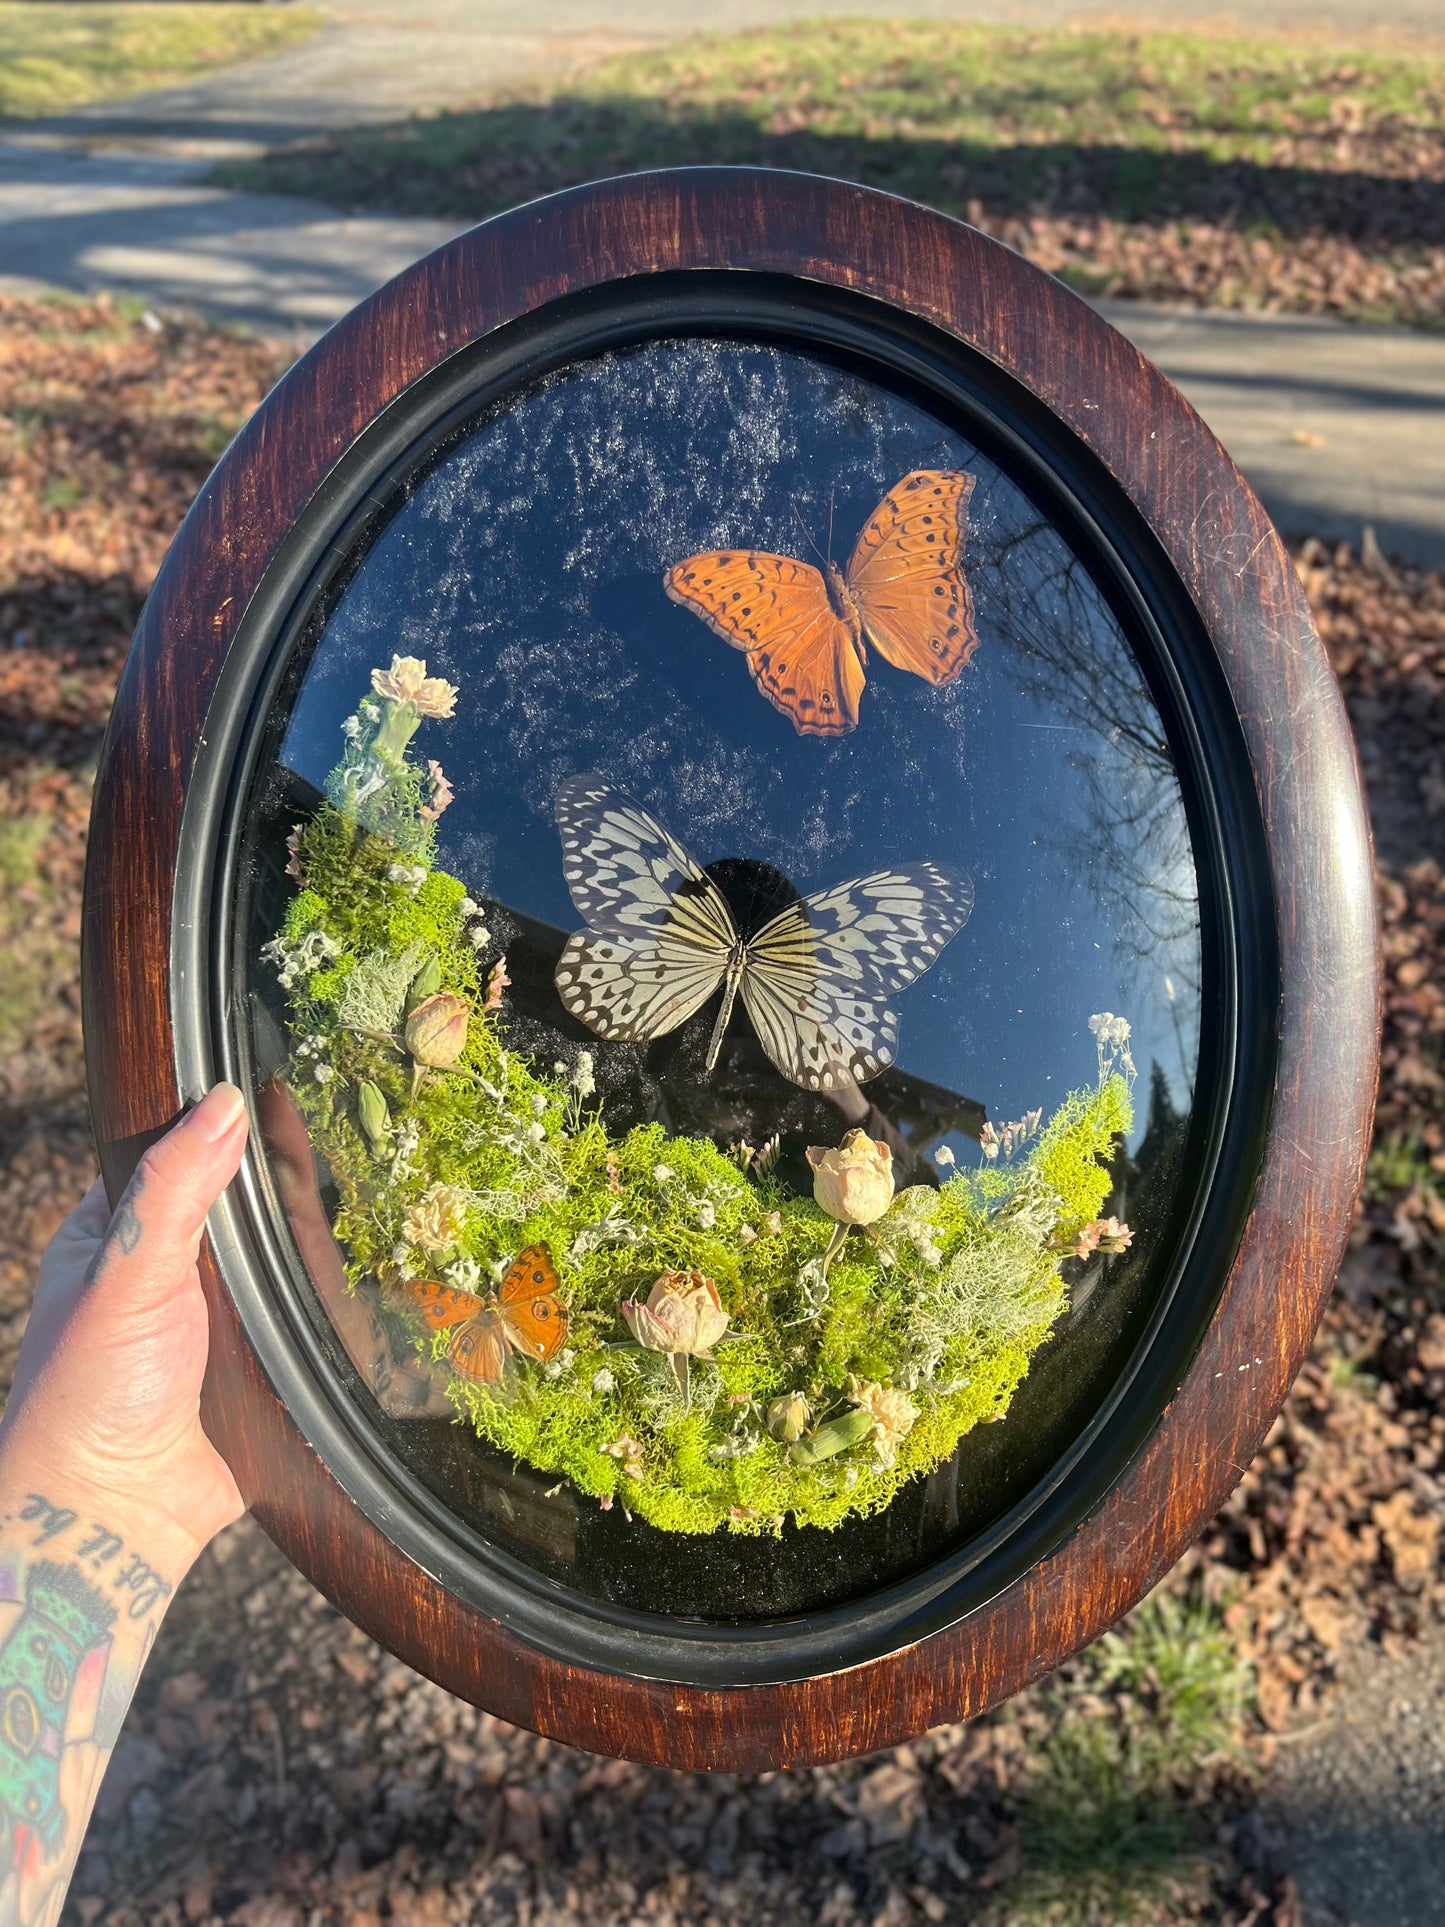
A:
(125, 1225)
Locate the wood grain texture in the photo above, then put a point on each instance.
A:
(1241, 581)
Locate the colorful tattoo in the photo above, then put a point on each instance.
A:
(54, 1739)
(64, 1618)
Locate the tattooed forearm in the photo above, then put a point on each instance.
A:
(75, 1625)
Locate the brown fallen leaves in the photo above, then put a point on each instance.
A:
(109, 423)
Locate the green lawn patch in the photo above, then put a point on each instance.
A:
(1112, 1826)
(1244, 172)
(56, 58)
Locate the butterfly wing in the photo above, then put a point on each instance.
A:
(535, 1317)
(626, 874)
(659, 929)
(820, 975)
(479, 1349)
(635, 991)
(820, 1034)
(806, 659)
(906, 575)
(887, 928)
(440, 1306)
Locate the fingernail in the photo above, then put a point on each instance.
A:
(217, 1114)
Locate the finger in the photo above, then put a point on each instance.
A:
(157, 1226)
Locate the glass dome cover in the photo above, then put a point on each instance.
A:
(713, 865)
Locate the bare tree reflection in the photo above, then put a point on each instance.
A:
(1131, 826)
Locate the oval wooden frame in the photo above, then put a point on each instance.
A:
(1231, 562)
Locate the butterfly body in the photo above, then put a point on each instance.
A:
(526, 1316)
(816, 979)
(806, 632)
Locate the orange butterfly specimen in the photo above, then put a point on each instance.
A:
(804, 629)
(525, 1316)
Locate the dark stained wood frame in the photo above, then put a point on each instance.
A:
(1241, 582)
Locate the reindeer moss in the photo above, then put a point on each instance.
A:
(947, 1306)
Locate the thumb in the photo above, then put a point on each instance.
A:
(156, 1231)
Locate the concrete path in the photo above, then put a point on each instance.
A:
(1336, 426)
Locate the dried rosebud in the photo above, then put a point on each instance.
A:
(375, 1119)
(853, 1184)
(436, 1031)
(683, 1315)
(789, 1417)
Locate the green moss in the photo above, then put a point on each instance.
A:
(940, 1312)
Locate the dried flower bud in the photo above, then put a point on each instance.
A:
(426, 983)
(789, 1417)
(436, 1031)
(853, 1184)
(683, 1315)
(375, 1119)
(830, 1439)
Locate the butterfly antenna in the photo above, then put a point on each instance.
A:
(807, 534)
(832, 498)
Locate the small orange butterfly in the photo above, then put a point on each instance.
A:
(525, 1316)
(804, 629)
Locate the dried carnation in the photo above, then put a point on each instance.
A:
(891, 1411)
(434, 1222)
(407, 682)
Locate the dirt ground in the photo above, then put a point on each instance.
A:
(278, 1770)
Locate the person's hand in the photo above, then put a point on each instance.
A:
(106, 1403)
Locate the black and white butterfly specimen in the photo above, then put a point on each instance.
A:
(816, 979)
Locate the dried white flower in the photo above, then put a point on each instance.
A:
(603, 1381)
(706, 1216)
(661, 1173)
(467, 908)
(323, 1073)
(351, 727)
(943, 1156)
(465, 1274)
(1112, 1035)
(536, 1133)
